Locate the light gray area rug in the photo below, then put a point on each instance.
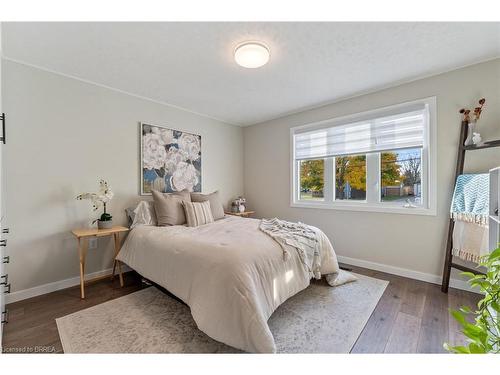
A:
(320, 319)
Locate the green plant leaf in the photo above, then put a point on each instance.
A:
(476, 349)
(494, 255)
(459, 317)
(465, 309)
(484, 333)
(470, 275)
(460, 349)
(106, 217)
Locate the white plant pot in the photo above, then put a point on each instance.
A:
(470, 133)
(104, 224)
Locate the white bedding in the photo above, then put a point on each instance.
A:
(230, 274)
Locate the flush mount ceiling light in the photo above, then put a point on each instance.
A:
(251, 54)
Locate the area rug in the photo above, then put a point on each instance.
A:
(320, 319)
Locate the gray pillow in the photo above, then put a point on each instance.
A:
(215, 203)
(168, 207)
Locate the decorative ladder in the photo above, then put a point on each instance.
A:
(448, 262)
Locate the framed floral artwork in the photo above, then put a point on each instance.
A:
(170, 160)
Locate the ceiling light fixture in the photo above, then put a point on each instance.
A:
(251, 54)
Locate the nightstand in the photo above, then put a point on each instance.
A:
(83, 236)
(241, 214)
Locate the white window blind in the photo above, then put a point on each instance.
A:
(404, 130)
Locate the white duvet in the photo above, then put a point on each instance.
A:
(230, 274)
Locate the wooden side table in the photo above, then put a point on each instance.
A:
(83, 236)
(241, 214)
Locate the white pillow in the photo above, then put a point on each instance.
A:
(144, 214)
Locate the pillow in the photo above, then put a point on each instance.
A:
(168, 207)
(215, 203)
(198, 213)
(130, 215)
(143, 214)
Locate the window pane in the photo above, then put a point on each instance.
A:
(401, 172)
(350, 177)
(312, 181)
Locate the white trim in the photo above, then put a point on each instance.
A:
(361, 206)
(405, 272)
(118, 90)
(57, 285)
(429, 162)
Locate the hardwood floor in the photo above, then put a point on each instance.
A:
(411, 317)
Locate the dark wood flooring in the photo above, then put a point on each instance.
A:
(411, 317)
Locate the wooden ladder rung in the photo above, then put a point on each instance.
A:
(481, 146)
(461, 267)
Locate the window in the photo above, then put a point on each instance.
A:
(312, 181)
(400, 176)
(381, 160)
(350, 177)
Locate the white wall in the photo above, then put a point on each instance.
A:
(64, 135)
(414, 243)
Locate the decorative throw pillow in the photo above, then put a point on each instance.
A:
(215, 203)
(198, 213)
(168, 207)
(143, 214)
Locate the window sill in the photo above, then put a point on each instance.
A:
(363, 207)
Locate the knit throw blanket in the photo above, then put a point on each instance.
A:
(298, 235)
(470, 198)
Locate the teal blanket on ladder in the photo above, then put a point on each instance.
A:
(471, 198)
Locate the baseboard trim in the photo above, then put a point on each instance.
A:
(416, 275)
(57, 285)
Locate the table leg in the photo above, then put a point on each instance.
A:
(117, 250)
(82, 251)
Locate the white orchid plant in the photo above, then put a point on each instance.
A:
(99, 199)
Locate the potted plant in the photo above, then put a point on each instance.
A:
(483, 332)
(100, 199)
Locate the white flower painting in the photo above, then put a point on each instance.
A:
(170, 160)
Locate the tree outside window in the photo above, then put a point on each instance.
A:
(312, 180)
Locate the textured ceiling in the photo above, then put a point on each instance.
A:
(190, 65)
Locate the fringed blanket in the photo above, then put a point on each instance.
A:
(304, 239)
(470, 241)
(470, 210)
(470, 198)
(298, 235)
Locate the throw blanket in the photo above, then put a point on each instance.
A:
(470, 241)
(298, 235)
(304, 239)
(470, 198)
(470, 209)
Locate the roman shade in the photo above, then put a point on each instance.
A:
(390, 132)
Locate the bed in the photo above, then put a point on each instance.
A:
(231, 274)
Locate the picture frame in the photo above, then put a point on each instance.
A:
(170, 159)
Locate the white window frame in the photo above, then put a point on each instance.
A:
(373, 183)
